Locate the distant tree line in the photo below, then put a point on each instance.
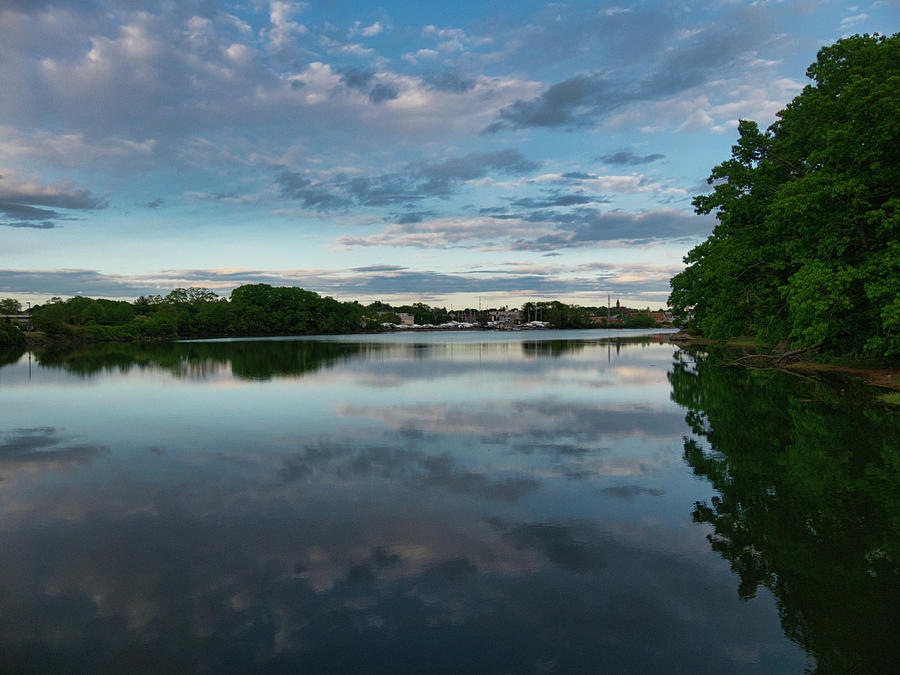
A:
(253, 310)
(259, 310)
(558, 314)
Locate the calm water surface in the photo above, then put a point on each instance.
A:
(470, 502)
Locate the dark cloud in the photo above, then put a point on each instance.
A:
(478, 165)
(573, 102)
(673, 66)
(413, 183)
(357, 78)
(155, 204)
(361, 79)
(72, 282)
(561, 33)
(628, 158)
(57, 198)
(379, 268)
(382, 92)
(384, 190)
(44, 225)
(23, 212)
(449, 82)
(590, 226)
(442, 177)
(689, 64)
(24, 204)
(312, 195)
(559, 200)
(411, 217)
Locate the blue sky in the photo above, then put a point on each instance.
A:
(438, 152)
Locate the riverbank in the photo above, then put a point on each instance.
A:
(757, 354)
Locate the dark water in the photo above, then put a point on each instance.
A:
(442, 503)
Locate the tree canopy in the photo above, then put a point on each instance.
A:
(807, 245)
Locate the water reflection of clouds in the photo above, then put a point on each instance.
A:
(277, 579)
(418, 470)
(36, 450)
(538, 420)
(268, 531)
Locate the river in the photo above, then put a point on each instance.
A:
(531, 502)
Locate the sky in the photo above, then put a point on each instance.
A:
(452, 153)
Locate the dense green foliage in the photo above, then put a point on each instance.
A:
(11, 337)
(256, 309)
(807, 503)
(10, 306)
(558, 314)
(807, 245)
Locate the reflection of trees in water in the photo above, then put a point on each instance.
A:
(808, 503)
(272, 358)
(197, 359)
(535, 348)
(552, 347)
(8, 356)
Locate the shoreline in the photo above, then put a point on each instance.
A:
(872, 372)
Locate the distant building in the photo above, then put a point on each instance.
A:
(406, 319)
(505, 316)
(17, 318)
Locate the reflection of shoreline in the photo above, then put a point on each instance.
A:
(807, 506)
(261, 359)
(10, 356)
(435, 336)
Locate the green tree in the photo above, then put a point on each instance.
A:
(10, 306)
(807, 244)
(11, 337)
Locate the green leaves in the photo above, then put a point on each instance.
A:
(808, 217)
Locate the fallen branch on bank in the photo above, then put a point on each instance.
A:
(777, 358)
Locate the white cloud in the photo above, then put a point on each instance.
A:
(446, 232)
(281, 15)
(373, 30)
(853, 20)
(239, 54)
(426, 54)
(624, 184)
(69, 149)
